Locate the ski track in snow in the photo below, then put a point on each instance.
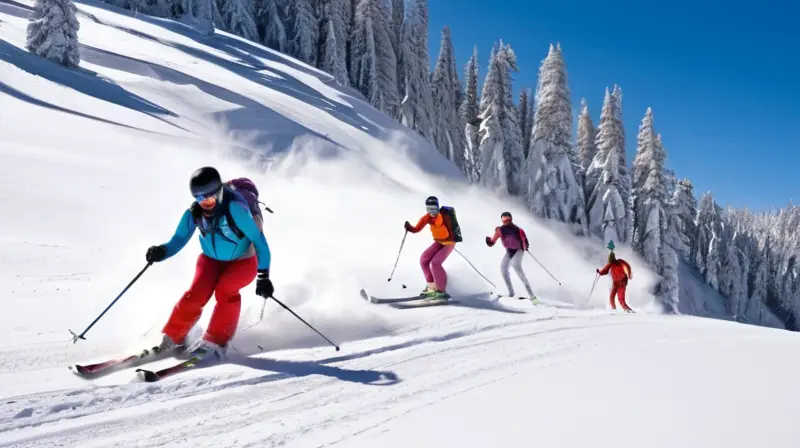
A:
(207, 403)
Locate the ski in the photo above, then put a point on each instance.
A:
(152, 376)
(382, 300)
(422, 303)
(146, 355)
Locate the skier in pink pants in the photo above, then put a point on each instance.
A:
(446, 232)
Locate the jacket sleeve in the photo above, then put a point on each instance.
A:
(522, 236)
(605, 269)
(249, 227)
(183, 233)
(421, 223)
(496, 235)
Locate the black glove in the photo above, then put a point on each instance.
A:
(156, 254)
(489, 242)
(408, 226)
(264, 286)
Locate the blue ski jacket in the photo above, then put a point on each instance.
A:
(220, 242)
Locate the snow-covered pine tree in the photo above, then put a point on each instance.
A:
(331, 60)
(236, 17)
(649, 195)
(710, 244)
(552, 190)
(607, 178)
(303, 35)
(502, 162)
(585, 143)
(397, 36)
(656, 233)
(332, 52)
(625, 176)
(447, 92)
(645, 150)
(53, 32)
(686, 212)
(735, 265)
(671, 243)
(198, 14)
(373, 62)
(416, 104)
(667, 289)
(469, 112)
(785, 278)
(523, 108)
(348, 11)
(270, 25)
(757, 280)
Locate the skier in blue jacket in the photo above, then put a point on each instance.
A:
(234, 252)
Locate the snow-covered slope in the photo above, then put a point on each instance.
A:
(94, 168)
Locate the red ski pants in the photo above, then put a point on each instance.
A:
(223, 279)
(618, 289)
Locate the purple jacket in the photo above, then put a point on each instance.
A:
(512, 237)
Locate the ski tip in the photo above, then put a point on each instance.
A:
(80, 370)
(147, 375)
(365, 295)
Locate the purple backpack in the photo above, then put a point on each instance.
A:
(248, 191)
(245, 191)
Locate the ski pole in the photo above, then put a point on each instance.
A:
(545, 269)
(596, 278)
(398, 256)
(75, 337)
(303, 321)
(476, 269)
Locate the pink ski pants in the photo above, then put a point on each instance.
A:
(431, 263)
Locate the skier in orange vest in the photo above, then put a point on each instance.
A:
(446, 233)
(620, 274)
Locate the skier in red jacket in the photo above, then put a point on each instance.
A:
(620, 274)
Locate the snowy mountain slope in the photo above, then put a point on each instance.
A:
(95, 167)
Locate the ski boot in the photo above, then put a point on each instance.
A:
(167, 344)
(428, 292)
(534, 300)
(204, 349)
(439, 295)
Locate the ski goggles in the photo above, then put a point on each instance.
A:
(205, 196)
(433, 209)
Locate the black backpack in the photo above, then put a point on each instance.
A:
(451, 221)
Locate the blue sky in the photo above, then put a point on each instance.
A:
(722, 78)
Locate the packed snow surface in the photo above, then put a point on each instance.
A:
(94, 168)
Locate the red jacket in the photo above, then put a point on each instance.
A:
(620, 270)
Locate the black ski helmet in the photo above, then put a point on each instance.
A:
(205, 182)
(506, 214)
(432, 200)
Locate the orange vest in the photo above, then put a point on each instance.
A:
(438, 228)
